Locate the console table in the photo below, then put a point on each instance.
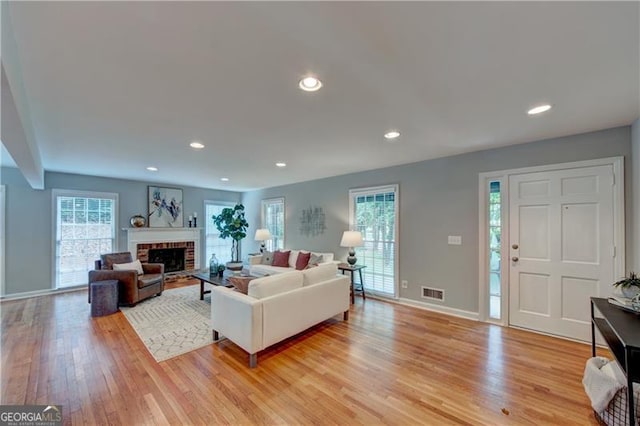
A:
(621, 331)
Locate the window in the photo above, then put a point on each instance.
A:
(86, 226)
(495, 227)
(213, 242)
(374, 213)
(273, 220)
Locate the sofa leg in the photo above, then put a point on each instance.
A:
(253, 360)
(345, 316)
(216, 336)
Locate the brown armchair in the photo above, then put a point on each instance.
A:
(132, 288)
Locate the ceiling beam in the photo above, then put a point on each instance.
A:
(16, 129)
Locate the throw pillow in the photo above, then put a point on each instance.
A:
(302, 261)
(267, 258)
(241, 283)
(135, 265)
(315, 260)
(281, 258)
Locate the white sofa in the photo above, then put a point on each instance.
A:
(278, 306)
(257, 269)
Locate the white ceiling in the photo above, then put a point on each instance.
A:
(113, 87)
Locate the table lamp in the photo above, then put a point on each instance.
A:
(262, 235)
(351, 239)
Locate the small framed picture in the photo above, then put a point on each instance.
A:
(165, 207)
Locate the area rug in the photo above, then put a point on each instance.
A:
(174, 323)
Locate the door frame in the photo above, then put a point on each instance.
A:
(502, 176)
(3, 253)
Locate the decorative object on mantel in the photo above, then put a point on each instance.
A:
(312, 221)
(138, 221)
(232, 224)
(351, 239)
(193, 220)
(262, 235)
(630, 286)
(165, 207)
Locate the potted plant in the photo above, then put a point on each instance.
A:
(630, 286)
(232, 224)
(220, 270)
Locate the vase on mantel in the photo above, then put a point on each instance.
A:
(138, 221)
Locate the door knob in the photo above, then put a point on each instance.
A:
(515, 246)
(514, 258)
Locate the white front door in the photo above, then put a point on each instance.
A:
(561, 248)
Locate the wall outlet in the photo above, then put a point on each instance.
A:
(455, 240)
(404, 284)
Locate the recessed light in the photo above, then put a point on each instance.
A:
(539, 109)
(281, 164)
(196, 145)
(310, 84)
(152, 169)
(392, 134)
(224, 179)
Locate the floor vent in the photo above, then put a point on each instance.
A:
(433, 293)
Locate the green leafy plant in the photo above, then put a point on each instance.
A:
(232, 224)
(632, 280)
(221, 268)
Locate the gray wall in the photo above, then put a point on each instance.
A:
(635, 188)
(437, 198)
(29, 223)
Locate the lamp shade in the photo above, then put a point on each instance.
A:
(351, 239)
(262, 235)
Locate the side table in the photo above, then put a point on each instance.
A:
(353, 268)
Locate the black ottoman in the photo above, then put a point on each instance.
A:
(104, 298)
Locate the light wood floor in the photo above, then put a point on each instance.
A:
(388, 364)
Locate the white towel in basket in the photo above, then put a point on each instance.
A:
(602, 379)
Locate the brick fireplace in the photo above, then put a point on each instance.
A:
(141, 240)
(142, 252)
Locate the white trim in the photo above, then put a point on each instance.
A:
(55, 193)
(617, 164)
(395, 188)
(38, 293)
(3, 218)
(460, 313)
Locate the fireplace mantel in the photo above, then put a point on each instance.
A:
(137, 236)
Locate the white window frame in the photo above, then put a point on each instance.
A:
(355, 192)
(483, 205)
(277, 200)
(225, 203)
(55, 193)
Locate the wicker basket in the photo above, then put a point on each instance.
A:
(617, 412)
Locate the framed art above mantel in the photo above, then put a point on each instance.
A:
(165, 207)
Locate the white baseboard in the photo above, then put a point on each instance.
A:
(439, 308)
(38, 293)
